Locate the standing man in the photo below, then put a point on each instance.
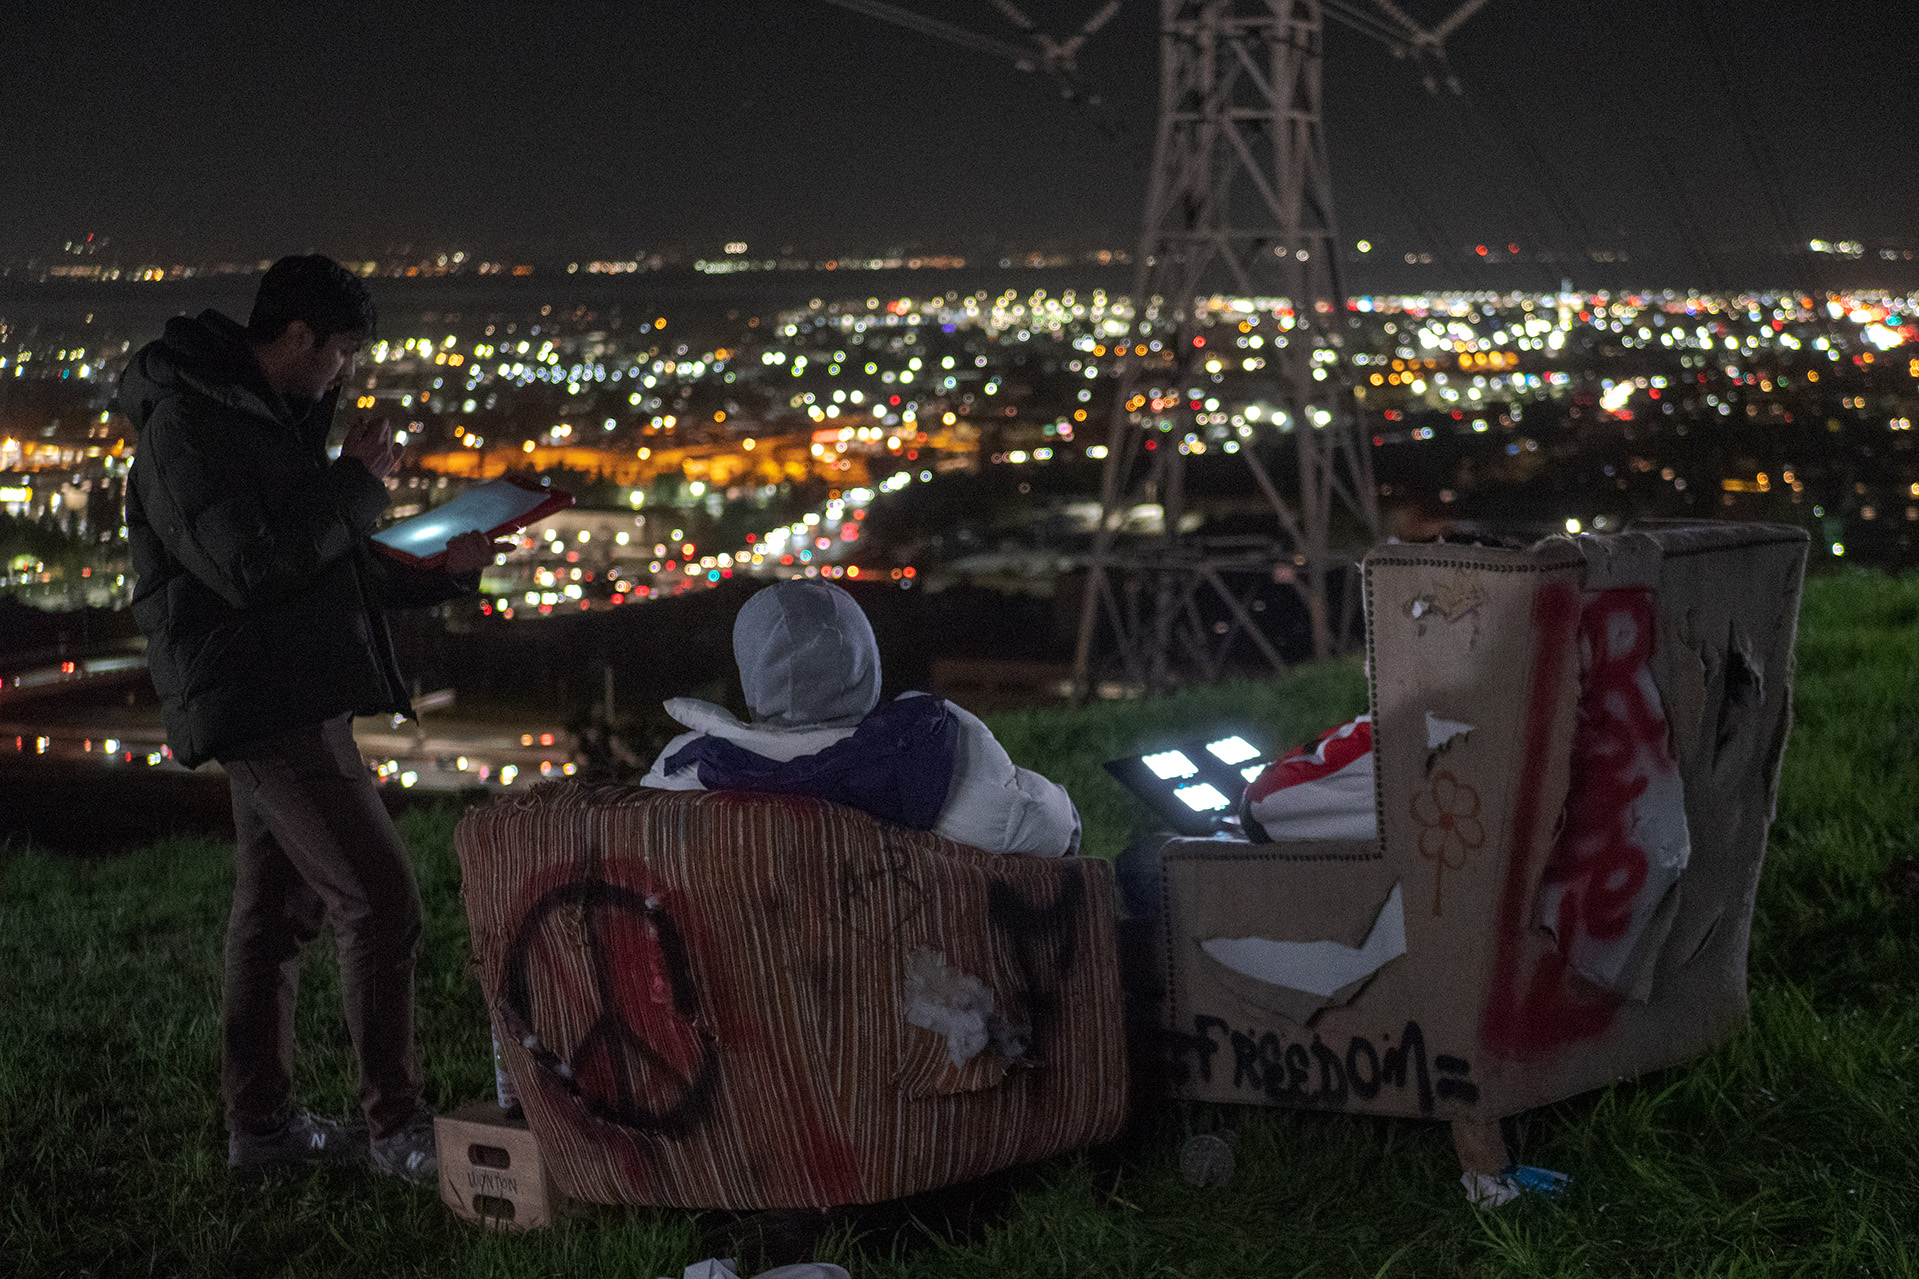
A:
(261, 602)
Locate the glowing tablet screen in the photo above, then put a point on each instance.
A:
(482, 508)
(1201, 797)
(1169, 764)
(1232, 750)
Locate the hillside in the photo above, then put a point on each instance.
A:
(1793, 1149)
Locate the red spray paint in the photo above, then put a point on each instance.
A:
(1624, 838)
(1534, 1009)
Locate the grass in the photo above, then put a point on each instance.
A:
(1792, 1150)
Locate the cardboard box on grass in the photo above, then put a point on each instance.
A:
(1482, 664)
(491, 1171)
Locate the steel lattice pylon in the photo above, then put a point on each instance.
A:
(1240, 204)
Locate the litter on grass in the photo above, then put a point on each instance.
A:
(1484, 1190)
(1207, 1160)
(723, 1268)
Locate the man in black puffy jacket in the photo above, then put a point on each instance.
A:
(261, 601)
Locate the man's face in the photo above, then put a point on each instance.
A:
(321, 366)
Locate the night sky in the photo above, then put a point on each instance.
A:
(228, 128)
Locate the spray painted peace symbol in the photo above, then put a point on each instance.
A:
(612, 1040)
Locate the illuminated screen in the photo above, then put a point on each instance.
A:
(1201, 797)
(1251, 772)
(1233, 750)
(480, 509)
(1169, 764)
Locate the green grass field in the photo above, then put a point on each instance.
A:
(1792, 1150)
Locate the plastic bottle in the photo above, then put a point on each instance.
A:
(504, 1091)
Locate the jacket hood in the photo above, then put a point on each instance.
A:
(807, 656)
(207, 353)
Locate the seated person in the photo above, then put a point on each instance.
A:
(811, 672)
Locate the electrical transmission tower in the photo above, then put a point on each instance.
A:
(1240, 203)
(1239, 214)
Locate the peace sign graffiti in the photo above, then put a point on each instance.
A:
(642, 1063)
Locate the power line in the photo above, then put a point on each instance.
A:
(1540, 173)
(1674, 193)
(1758, 154)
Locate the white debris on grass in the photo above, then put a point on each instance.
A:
(1484, 1190)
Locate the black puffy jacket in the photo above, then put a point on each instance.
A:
(257, 590)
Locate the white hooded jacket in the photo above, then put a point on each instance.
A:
(810, 669)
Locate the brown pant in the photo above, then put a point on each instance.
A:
(314, 840)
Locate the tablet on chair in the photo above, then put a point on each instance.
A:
(1194, 786)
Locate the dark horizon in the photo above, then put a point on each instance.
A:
(589, 130)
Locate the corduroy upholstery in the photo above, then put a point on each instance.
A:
(713, 984)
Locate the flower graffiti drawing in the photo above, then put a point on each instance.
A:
(1448, 817)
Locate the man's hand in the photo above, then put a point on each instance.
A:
(369, 441)
(472, 551)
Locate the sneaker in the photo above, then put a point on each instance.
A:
(409, 1151)
(305, 1138)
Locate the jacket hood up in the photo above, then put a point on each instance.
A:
(807, 656)
(206, 354)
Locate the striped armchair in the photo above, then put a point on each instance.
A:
(704, 997)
